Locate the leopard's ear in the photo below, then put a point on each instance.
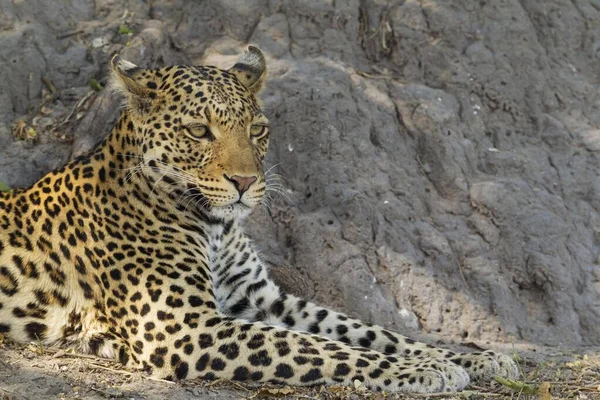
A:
(251, 69)
(128, 80)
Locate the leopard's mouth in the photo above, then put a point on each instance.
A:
(240, 204)
(194, 197)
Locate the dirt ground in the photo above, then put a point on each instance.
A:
(440, 162)
(32, 372)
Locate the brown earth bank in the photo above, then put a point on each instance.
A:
(439, 158)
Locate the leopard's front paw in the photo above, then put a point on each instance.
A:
(456, 376)
(486, 365)
(508, 366)
(431, 379)
(419, 375)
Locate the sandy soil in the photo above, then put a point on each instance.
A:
(32, 372)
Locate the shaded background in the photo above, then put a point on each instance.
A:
(441, 157)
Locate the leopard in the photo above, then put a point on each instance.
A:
(136, 252)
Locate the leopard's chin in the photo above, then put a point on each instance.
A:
(232, 211)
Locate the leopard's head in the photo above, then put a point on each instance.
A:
(199, 131)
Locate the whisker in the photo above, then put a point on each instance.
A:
(269, 170)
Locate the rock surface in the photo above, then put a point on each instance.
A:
(440, 158)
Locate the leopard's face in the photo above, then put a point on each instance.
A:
(201, 134)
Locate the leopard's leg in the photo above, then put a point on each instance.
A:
(293, 313)
(224, 348)
(88, 332)
(274, 307)
(249, 293)
(109, 345)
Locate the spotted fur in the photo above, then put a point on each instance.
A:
(135, 252)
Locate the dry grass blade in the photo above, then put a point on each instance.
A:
(122, 372)
(517, 386)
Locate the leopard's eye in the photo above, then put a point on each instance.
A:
(258, 131)
(197, 131)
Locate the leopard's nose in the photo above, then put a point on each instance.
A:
(241, 183)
